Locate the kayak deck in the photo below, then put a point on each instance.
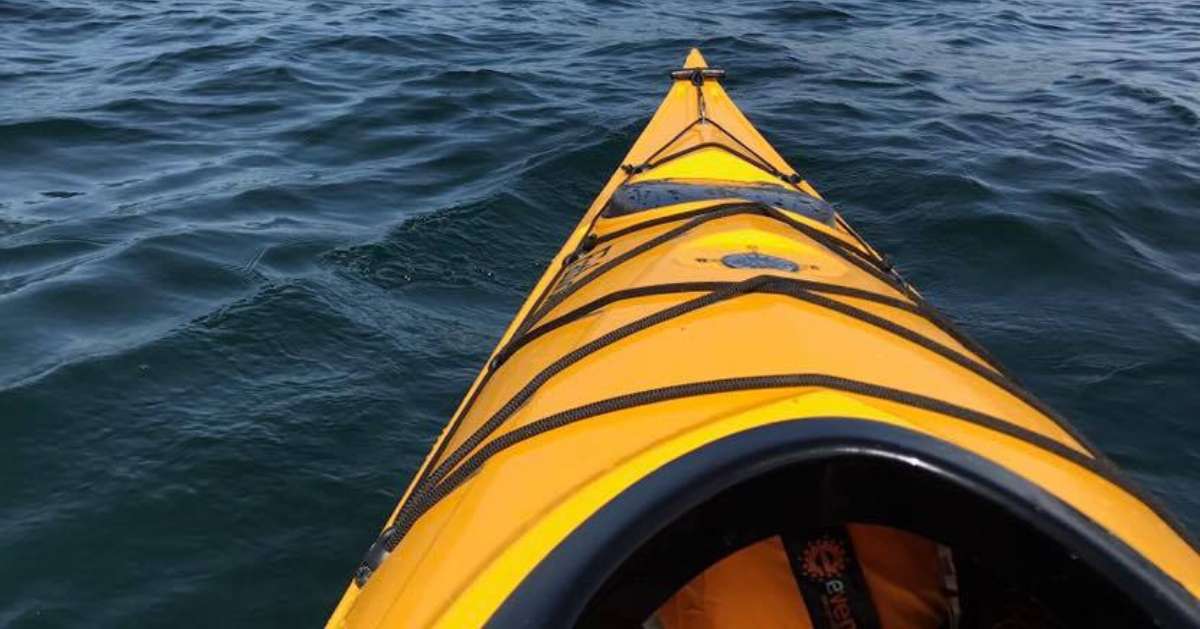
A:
(708, 294)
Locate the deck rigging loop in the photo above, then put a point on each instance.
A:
(697, 77)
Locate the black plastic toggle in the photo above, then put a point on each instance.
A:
(697, 75)
(375, 556)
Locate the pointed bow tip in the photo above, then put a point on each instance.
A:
(695, 59)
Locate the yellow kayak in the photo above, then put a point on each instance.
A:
(714, 358)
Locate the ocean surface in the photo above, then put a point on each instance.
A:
(253, 253)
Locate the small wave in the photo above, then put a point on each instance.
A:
(371, 44)
(1011, 245)
(170, 64)
(474, 78)
(1012, 17)
(210, 22)
(446, 248)
(947, 130)
(39, 12)
(797, 12)
(156, 108)
(1182, 267)
(11, 225)
(25, 264)
(280, 79)
(290, 208)
(919, 76)
(967, 41)
(1099, 87)
(866, 82)
(21, 136)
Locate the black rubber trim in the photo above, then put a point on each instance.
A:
(754, 284)
(564, 583)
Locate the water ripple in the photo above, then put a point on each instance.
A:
(251, 254)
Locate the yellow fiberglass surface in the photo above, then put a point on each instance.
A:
(654, 333)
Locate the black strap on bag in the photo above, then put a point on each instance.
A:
(830, 579)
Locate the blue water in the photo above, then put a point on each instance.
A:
(252, 254)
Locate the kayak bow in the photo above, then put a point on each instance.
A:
(711, 325)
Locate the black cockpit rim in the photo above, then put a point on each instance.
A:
(634, 552)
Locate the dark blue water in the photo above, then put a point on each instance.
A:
(252, 254)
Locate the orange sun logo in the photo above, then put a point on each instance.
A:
(824, 559)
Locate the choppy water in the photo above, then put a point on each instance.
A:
(252, 254)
